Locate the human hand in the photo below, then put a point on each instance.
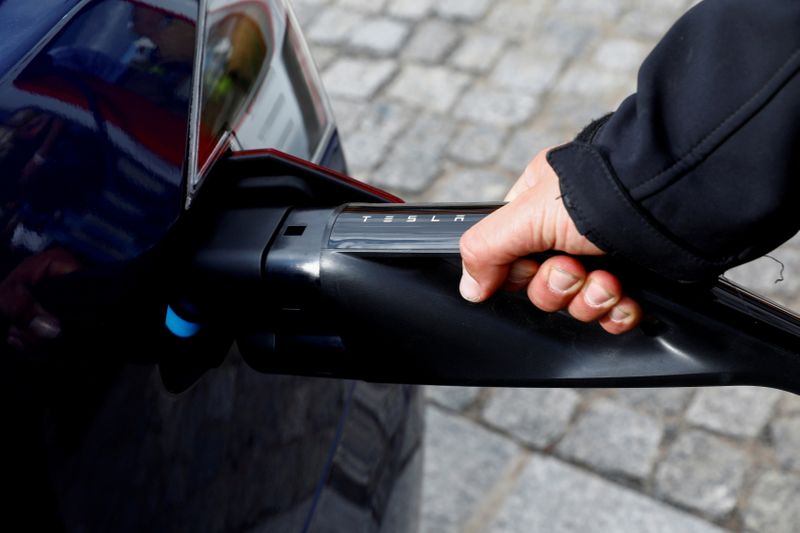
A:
(535, 220)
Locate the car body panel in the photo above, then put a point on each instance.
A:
(97, 156)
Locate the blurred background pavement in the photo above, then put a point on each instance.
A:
(448, 101)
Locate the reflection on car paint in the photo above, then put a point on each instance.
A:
(93, 151)
(94, 124)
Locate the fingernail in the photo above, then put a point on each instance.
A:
(619, 315)
(469, 288)
(596, 295)
(560, 281)
(45, 327)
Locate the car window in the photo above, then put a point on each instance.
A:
(236, 56)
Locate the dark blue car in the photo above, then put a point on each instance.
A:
(192, 288)
(112, 115)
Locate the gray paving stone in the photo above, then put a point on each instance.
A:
(737, 411)
(477, 52)
(662, 402)
(523, 145)
(497, 135)
(469, 10)
(702, 472)
(410, 9)
(561, 36)
(305, 12)
(567, 114)
(339, 510)
(789, 404)
(348, 115)
(357, 79)
(774, 504)
(456, 398)
(477, 144)
(514, 19)
(333, 26)
(596, 83)
(785, 432)
(416, 158)
(621, 54)
(290, 520)
(432, 40)
(614, 438)
(496, 106)
(590, 9)
(365, 6)
(558, 498)
(462, 462)
(380, 36)
(585, 79)
(401, 512)
(646, 23)
(521, 69)
(794, 241)
(470, 185)
(538, 417)
(382, 122)
(323, 55)
(675, 7)
(434, 88)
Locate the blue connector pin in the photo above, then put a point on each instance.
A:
(180, 327)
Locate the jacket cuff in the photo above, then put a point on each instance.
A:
(604, 213)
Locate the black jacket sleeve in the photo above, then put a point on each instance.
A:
(700, 169)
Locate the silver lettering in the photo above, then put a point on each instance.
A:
(411, 218)
(434, 219)
(365, 217)
(388, 218)
(460, 218)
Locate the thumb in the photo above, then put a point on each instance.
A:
(490, 247)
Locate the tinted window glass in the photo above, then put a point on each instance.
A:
(237, 49)
(298, 67)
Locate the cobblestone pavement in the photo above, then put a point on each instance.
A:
(447, 101)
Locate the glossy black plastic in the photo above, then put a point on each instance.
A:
(404, 229)
(381, 282)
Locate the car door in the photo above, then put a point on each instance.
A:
(113, 112)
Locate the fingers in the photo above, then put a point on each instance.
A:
(623, 317)
(537, 167)
(535, 220)
(518, 188)
(558, 281)
(520, 274)
(489, 248)
(562, 282)
(600, 292)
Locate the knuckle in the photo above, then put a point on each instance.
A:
(471, 248)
